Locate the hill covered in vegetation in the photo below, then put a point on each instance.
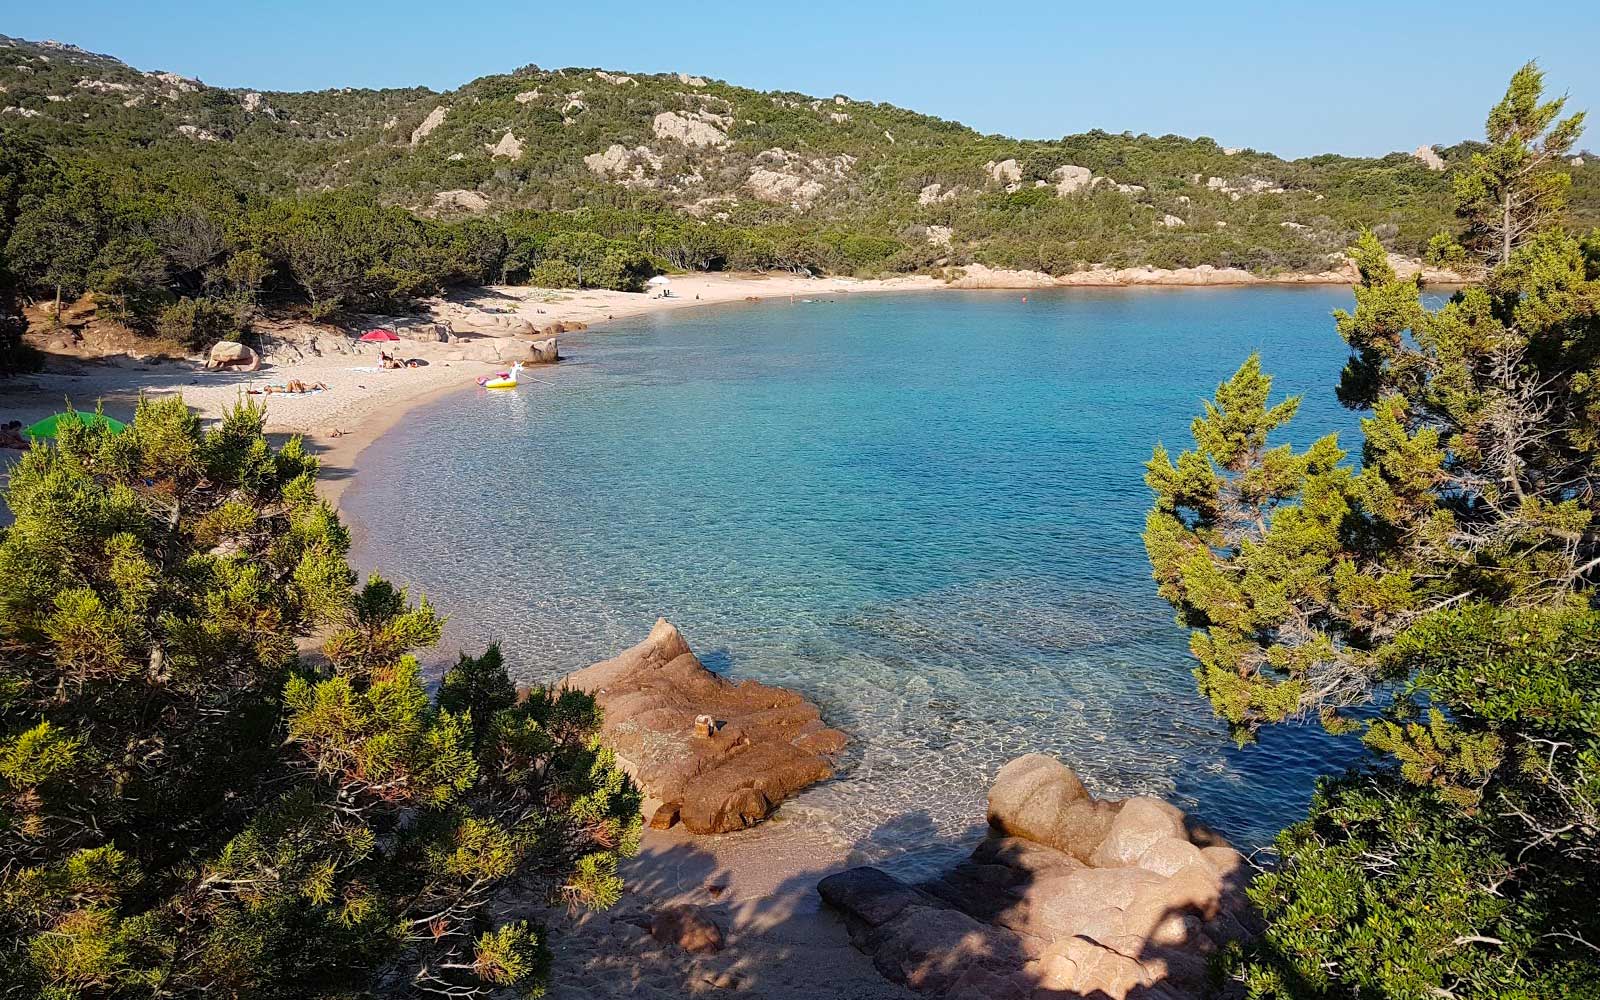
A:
(153, 190)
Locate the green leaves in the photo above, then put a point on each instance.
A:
(512, 955)
(478, 688)
(1460, 567)
(1511, 192)
(1256, 576)
(186, 808)
(379, 627)
(1235, 426)
(37, 755)
(385, 744)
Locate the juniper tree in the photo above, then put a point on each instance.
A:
(189, 807)
(1454, 575)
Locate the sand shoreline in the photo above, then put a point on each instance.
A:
(363, 403)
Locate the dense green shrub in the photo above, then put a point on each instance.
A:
(199, 323)
(189, 808)
(554, 274)
(1454, 576)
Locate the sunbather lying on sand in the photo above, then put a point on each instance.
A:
(294, 386)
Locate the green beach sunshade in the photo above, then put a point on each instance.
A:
(46, 428)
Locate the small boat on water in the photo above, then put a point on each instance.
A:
(502, 380)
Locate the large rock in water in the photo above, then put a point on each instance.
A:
(1069, 896)
(765, 743)
(544, 352)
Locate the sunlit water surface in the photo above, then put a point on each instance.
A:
(922, 511)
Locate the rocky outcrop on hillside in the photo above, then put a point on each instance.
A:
(696, 129)
(784, 178)
(1428, 157)
(1070, 178)
(434, 120)
(1236, 188)
(713, 755)
(632, 168)
(458, 200)
(1004, 172)
(1069, 895)
(508, 148)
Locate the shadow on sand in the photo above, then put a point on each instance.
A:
(782, 940)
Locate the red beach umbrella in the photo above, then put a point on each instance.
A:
(379, 336)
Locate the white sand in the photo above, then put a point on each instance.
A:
(362, 401)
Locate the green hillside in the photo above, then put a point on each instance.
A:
(170, 188)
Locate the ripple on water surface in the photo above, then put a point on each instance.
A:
(922, 511)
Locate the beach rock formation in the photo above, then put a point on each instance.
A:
(765, 743)
(544, 352)
(423, 331)
(489, 324)
(1069, 895)
(500, 350)
(232, 355)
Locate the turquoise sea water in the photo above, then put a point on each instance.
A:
(920, 510)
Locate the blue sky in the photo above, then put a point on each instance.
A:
(1350, 76)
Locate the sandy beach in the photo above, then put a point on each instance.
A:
(362, 401)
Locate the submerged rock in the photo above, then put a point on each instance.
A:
(1068, 896)
(768, 743)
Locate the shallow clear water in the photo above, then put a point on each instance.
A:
(922, 511)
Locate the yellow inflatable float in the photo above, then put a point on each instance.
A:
(508, 381)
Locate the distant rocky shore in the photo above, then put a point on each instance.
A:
(980, 276)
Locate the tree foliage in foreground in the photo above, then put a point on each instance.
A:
(1454, 574)
(189, 808)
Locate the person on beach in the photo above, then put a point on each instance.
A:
(11, 436)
